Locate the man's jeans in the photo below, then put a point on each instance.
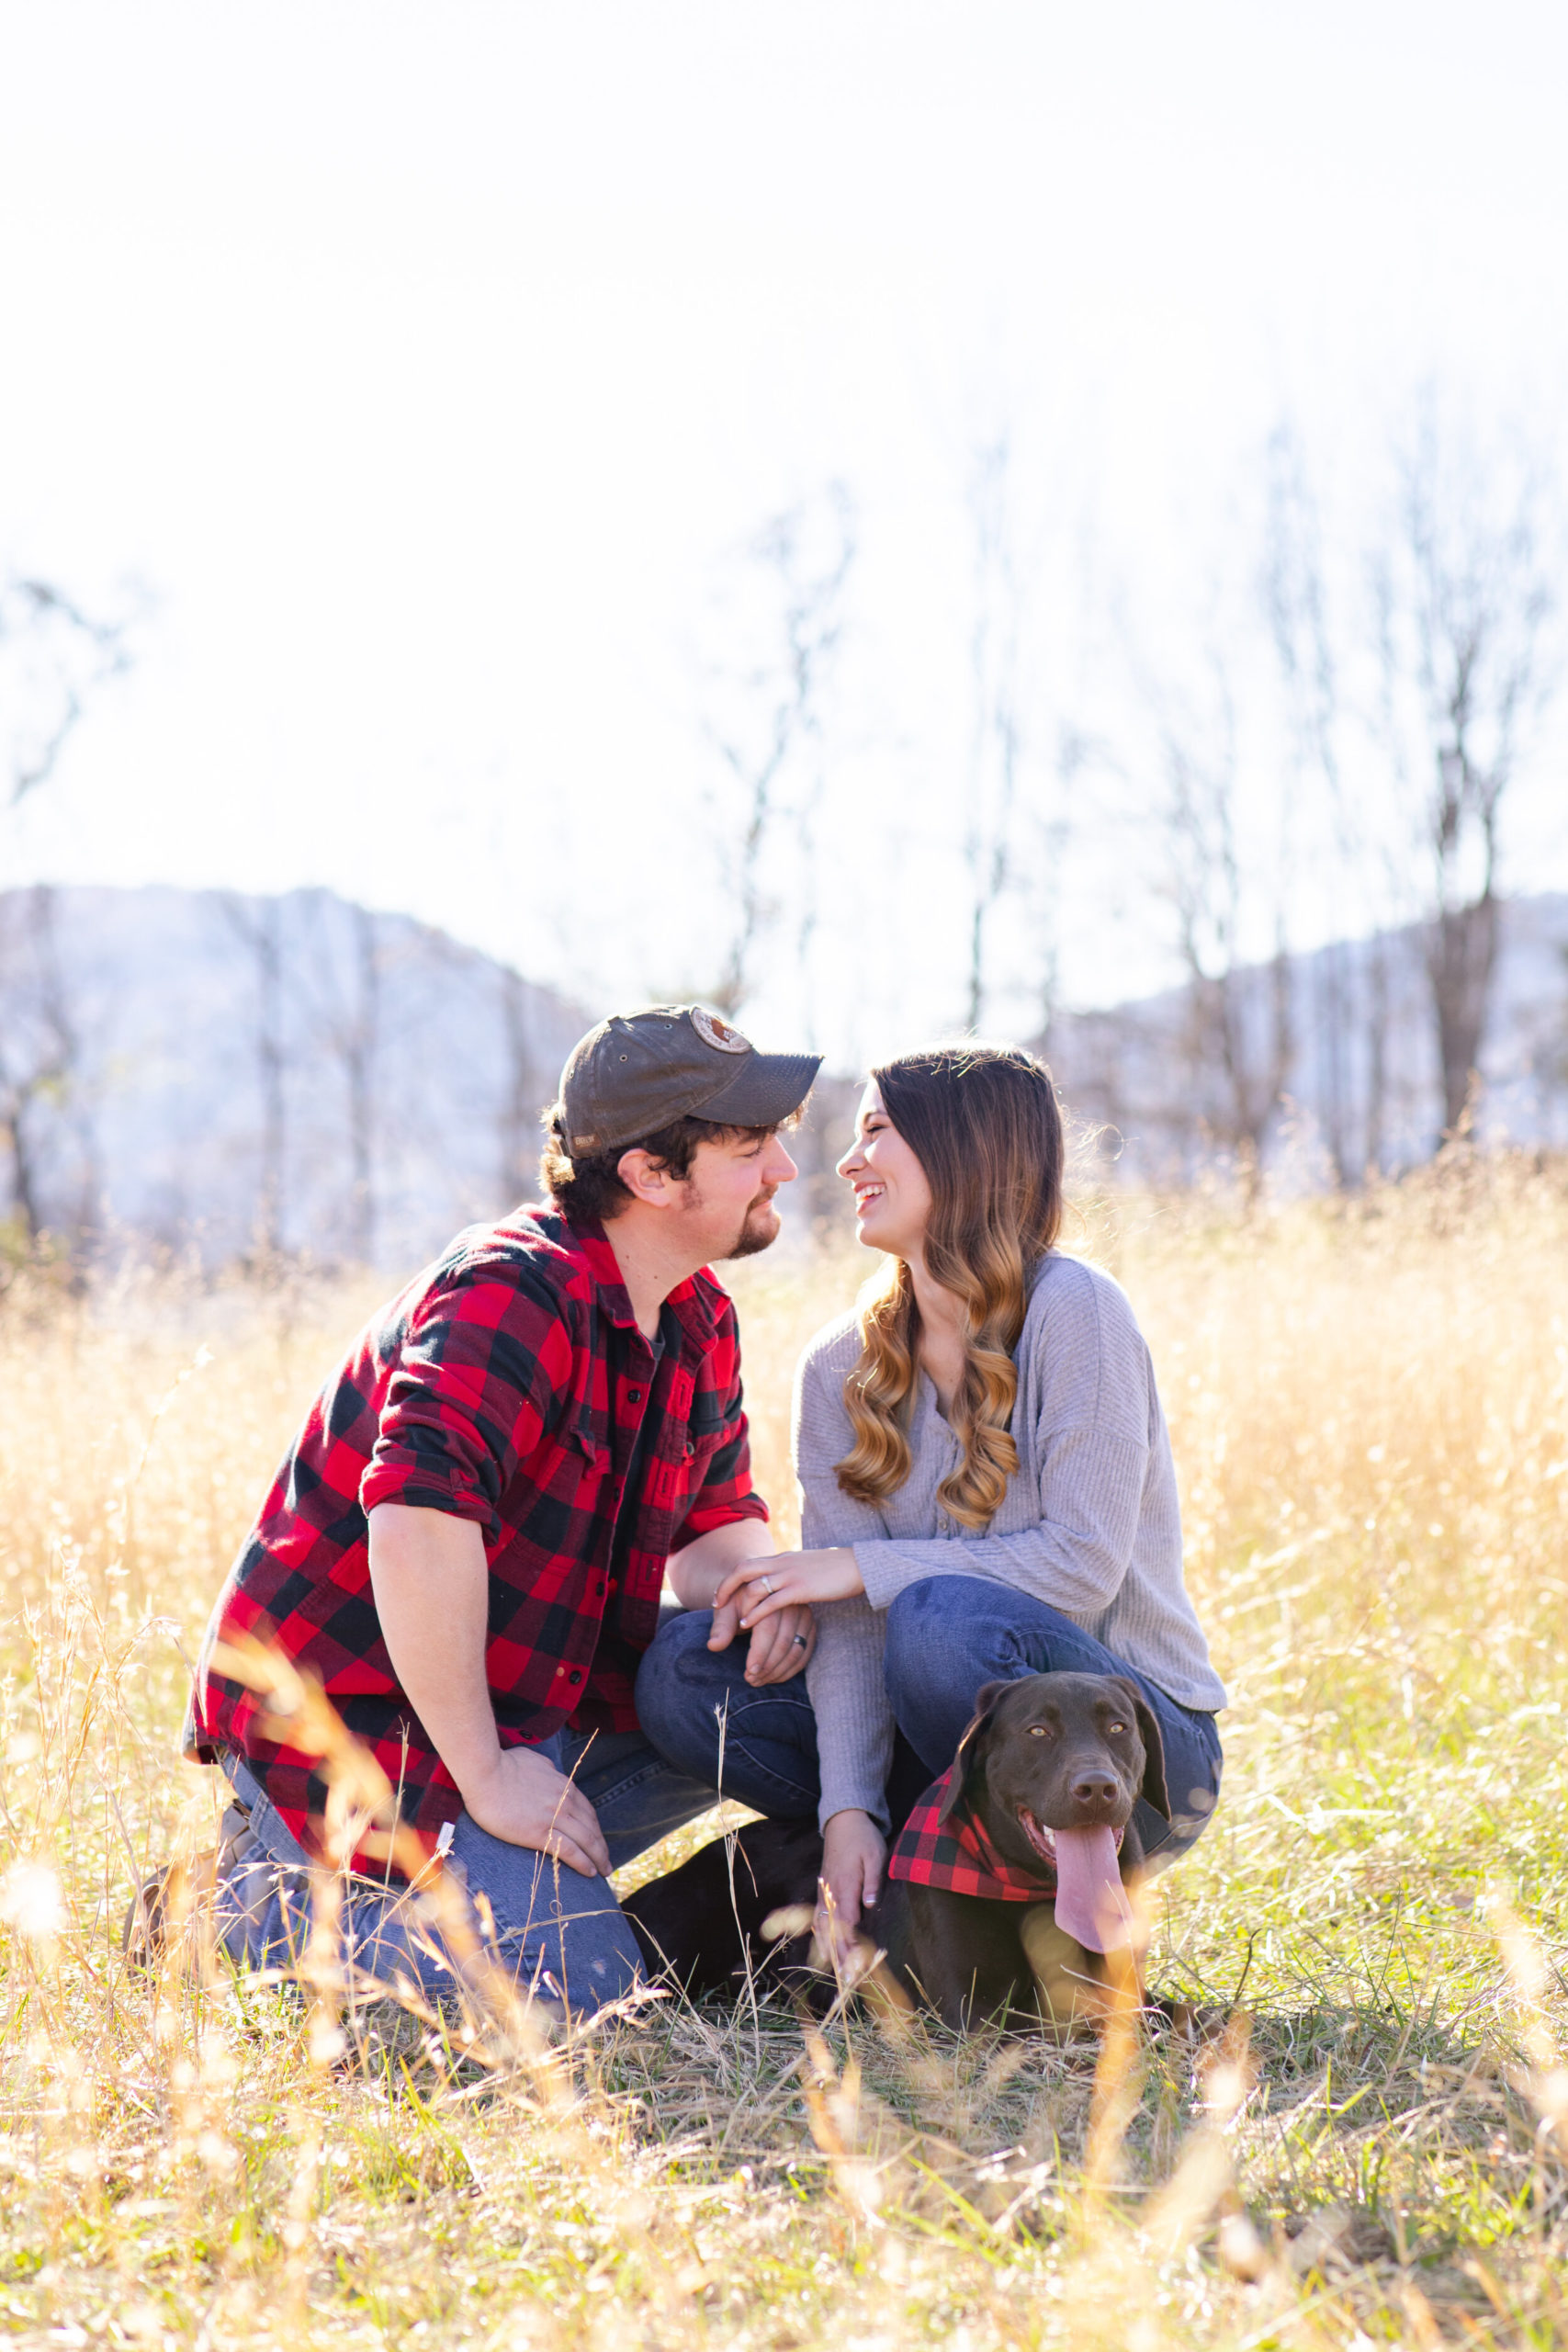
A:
(945, 1637)
(561, 1936)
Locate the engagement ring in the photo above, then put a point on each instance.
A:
(766, 1583)
(799, 1642)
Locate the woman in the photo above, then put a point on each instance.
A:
(986, 1486)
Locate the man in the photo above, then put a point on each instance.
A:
(467, 1543)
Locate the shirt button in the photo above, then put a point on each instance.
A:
(575, 1676)
(633, 1396)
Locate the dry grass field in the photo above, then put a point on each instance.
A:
(1369, 1408)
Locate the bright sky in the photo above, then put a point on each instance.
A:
(433, 366)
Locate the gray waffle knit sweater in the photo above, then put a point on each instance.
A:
(1090, 1521)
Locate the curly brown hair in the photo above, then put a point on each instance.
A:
(984, 1124)
(590, 1186)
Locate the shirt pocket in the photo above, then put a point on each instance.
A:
(672, 1483)
(587, 1438)
(576, 1470)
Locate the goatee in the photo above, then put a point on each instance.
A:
(751, 1238)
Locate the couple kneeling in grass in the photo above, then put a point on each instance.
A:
(517, 1542)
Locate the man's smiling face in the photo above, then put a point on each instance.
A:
(728, 1208)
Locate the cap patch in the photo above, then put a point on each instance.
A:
(715, 1031)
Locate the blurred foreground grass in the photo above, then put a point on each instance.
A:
(1370, 1408)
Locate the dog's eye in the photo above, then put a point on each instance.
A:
(1039, 1731)
(1115, 1727)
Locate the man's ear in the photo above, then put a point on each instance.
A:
(970, 1752)
(646, 1178)
(1154, 1790)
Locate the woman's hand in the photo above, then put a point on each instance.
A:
(854, 1855)
(788, 1580)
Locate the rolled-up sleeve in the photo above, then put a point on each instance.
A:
(468, 1400)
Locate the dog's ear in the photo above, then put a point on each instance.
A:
(971, 1747)
(1154, 1790)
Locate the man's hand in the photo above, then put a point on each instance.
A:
(779, 1648)
(526, 1801)
(854, 1856)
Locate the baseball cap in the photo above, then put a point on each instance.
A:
(637, 1071)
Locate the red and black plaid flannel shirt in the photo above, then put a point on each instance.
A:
(957, 1854)
(506, 1385)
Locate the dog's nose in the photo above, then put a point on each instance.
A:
(1095, 1789)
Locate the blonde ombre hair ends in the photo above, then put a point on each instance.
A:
(983, 1122)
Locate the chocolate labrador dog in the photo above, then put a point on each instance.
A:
(1005, 1897)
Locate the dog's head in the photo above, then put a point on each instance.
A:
(1057, 1751)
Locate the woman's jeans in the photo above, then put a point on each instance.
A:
(561, 1936)
(946, 1636)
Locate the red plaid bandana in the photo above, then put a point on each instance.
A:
(957, 1854)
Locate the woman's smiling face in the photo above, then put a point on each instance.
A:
(893, 1199)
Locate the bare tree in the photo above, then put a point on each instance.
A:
(1295, 600)
(991, 836)
(1466, 607)
(1351, 979)
(1241, 1036)
(786, 685)
(521, 1098)
(52, 654)
(1014, 827)
(40, 1048)
(259, 924)
(358, 1037)
(1445, 684)
(347, 971)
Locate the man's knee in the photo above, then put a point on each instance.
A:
(682, 1634)
(677, 1658)
(609, 1970)
(586, 1956)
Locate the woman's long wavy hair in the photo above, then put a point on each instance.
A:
(983, 1122)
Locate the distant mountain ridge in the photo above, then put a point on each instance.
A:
(1350, 1025)
(225, 1072)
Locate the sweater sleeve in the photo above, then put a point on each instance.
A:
(1091, 1387)
(849, 1693)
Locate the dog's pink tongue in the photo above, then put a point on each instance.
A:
(1091, 1905)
